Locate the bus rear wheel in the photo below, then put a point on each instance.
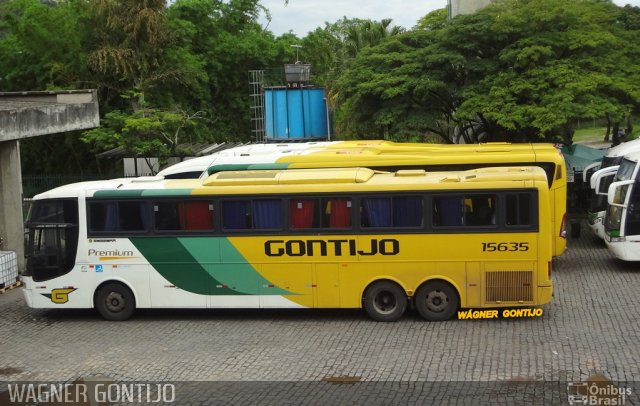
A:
(115, 302)
(385, 301)
(436, 301)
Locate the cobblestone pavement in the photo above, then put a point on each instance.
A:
(590, 331)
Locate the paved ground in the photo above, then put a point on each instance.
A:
(590, 331)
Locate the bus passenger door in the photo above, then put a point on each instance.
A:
(327, 286)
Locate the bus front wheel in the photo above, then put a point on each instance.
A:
(115, 302)
(436, 301)
(385, 301)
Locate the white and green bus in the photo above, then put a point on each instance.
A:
(309, 238)
(622, 218)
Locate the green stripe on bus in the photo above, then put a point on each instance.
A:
(245, 167)
(208, 266)
(174, 262)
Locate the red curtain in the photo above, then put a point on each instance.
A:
(198, 216)
(340, 215)
(301, 213)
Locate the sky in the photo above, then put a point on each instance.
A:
(302, 16)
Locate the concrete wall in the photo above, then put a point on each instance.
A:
(32, 114)
(11, 227)
(39, 113)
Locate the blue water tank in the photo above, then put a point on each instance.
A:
(295, 114)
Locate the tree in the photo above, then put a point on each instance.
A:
(515, 71)
(41, 46)
(404, 88)
(144, 133)
(565, 61)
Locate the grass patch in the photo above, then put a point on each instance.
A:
(590, 134)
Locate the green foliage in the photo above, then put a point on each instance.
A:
(517, 70)
(176, 72)
(41, 45)
(145, 132)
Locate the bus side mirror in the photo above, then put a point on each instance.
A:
(617, 193)
(596, 178)
(590, 169)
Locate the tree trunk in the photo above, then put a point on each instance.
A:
(615, 139)
(567, 135)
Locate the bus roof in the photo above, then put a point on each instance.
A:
(342, 180)
(624, 148)
(246, 152)
(334, 153)
(633, 156)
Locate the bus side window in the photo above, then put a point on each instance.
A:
(167, 216)
(302, 213)
(187, 215)
(336, 213)
(408, 211)
(267, 213)
(481, 210)
(376, 212)
(236, 215)
(103, 216)
(252, 214)
(632, 226)
(198, 215)
(448, 211)
(518, 209)
(132, 216)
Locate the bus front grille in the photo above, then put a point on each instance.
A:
(509, 286)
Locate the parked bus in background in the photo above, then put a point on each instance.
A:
(599, 183)
(600, 175)
(431, 157)
(622, 218)
(320, 238)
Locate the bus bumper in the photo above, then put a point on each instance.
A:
(545, 293)
(27, 290)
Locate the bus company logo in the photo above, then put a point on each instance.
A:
(338, 248)
(60, 295)
(472, 314)
(107, 255)
(597, 392)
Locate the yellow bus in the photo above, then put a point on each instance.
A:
(390, 156)
(312, 238)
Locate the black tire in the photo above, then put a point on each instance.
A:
(385, 301)
(115, 302)
(437, 301)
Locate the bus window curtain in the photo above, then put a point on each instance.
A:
(339, 213)
(378, 211)
(301, 213)
(144, 215)
(267, 213)
(449, 210)
(407, 211)
(198, 216)
(111, 217)
(234, 215)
